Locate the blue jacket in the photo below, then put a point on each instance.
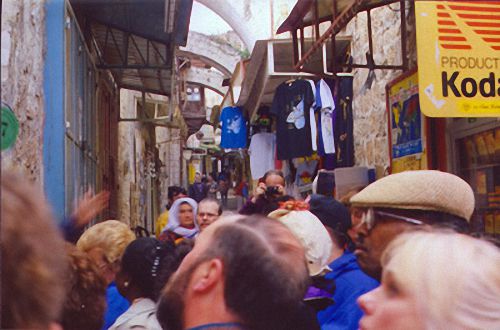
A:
(350, 283)
(117, 305)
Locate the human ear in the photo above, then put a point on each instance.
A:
(210, 273)
(55, 326)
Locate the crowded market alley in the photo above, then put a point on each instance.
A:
(250, 164)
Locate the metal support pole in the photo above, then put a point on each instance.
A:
(143, 105)
(403, 35)
(295, 46)
(126, 37)
(301, 42)
(316, 23)
(333, 45)
(370, 38)
(173, 91)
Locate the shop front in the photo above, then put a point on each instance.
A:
(424, 104)
(288, 113)
(458, 68)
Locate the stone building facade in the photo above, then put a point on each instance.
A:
(369, 104)
(149, 160)
(23, 52)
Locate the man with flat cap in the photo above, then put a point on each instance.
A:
(405, 201)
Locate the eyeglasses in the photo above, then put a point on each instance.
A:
(208, 215)
(368, 218)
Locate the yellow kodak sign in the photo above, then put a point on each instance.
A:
(458, 48)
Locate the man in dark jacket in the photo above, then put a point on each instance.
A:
(350, 281)
(268, 194)
(198, 190)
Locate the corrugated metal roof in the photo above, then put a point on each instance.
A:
(135, 39)
(135, 62)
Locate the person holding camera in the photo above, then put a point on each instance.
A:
(267, 195)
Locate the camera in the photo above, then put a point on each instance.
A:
(272, 190)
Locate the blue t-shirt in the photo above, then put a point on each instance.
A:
(350, 283)
(116, 305)
(234, 129)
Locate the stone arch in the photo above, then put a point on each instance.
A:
(222, 57)
(211, 79)
(225, 10)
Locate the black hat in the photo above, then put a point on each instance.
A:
(330, 212)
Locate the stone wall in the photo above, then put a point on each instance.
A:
(133, 159)
(23, 49)
(369, 105)
(126, 166)
(169, 151)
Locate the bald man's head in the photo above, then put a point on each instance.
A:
(264, 272)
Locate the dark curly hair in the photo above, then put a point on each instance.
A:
(86, 299)
(149, 263)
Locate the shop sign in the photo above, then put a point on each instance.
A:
(9, 129)
(458, 47)
(406, 124)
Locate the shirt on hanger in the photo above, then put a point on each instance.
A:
(312, 118)
(261, 151)
(305, 171)
(324, 100)
(291, 105)
(234, 129)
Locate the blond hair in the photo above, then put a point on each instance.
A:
(455, 278)
(111, 236)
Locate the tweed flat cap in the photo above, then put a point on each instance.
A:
(419, 190)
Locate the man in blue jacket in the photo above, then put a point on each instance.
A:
(349, 280)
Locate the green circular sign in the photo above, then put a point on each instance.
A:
(9, 127)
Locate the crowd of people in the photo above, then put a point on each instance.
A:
(398, 254)
(206, 186)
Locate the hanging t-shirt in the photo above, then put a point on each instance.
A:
(261, 151)
(234, 129)
(344, 124)
(312, 118)
(324, 100)
(329, 161)
(305, 171)
(291, 105)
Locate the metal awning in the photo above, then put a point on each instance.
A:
(271, 63)
(303, 12)
(339, 13)
(135, 39)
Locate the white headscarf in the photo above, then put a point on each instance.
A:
(173, 224)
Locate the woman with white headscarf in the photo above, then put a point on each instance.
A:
(181, 223)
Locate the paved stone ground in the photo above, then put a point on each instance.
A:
(232, 203)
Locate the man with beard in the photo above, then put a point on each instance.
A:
(402, 202)
(243, 273)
